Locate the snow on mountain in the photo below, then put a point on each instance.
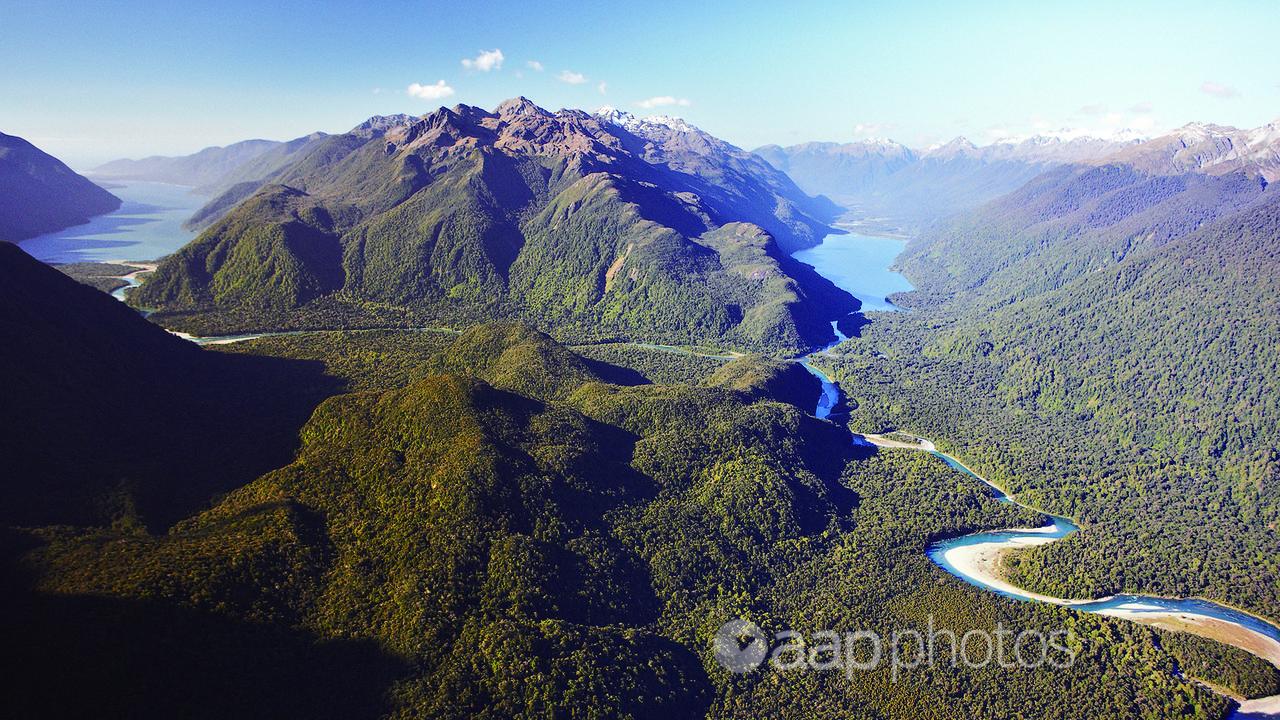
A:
(1208, 148)
(643, 126)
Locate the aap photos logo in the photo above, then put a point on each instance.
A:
(740, 646)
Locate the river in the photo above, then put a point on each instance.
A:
(861, 265)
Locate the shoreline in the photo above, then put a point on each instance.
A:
(983, 563)
(977, 559)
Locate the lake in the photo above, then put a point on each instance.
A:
(859, 264)
(148, 225)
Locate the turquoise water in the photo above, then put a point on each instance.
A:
(1060, 527)
(830, 393)
(859, 264)
(148, 225)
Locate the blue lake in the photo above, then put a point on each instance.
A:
(859, 264)
(148, 225)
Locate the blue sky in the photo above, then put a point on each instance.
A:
(91, 81)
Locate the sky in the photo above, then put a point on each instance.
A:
(93, 81)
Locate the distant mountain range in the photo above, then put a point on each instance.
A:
(912, 188)
(604, 223)
(202, 168)
(40, 194)
(1212, 149)
(916, 187)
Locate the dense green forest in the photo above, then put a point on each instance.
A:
(1134, 391)
(506, 534)
(489, 524)
(485, 522)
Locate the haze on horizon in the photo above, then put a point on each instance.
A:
(94, 83)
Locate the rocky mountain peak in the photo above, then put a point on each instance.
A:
(379, 124)
(519, 106)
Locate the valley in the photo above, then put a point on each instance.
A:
(570, 390)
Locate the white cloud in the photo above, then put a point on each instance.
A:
(1095, 109)
(571, 77)
(534, 65)
(430, 92)
(1217, 90)
(484, 62)
(663, 101)
(603, 87)
(1141, 108)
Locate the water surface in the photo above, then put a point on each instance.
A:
(859, 264)
(146, 226)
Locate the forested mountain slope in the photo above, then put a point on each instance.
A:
(507, 535)
(582, 225)
(1104, 342)
(1067, 222)
(39, 194)
(108, 417)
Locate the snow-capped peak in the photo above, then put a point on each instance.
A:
(631, 123)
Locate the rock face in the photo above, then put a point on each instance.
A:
(39, 194)
(607, 224)
(1211, 149)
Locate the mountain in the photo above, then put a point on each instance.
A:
(246, 178)
(205, 167)
(110, 417)
(39, 194)
(1099, 342)
(1067, 222)
(596, 225)
(839, 169)
(915, 188)
(1208, 148)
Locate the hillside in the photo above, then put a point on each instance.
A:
(507, 535)
(1101, 341)
(39, 194)
(108, 417)
(1069, 221)
(596, 226)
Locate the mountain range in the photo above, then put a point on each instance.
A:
(594, 224)
(200, 169)
(39, 194)
(483, 522)
(915, 188)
